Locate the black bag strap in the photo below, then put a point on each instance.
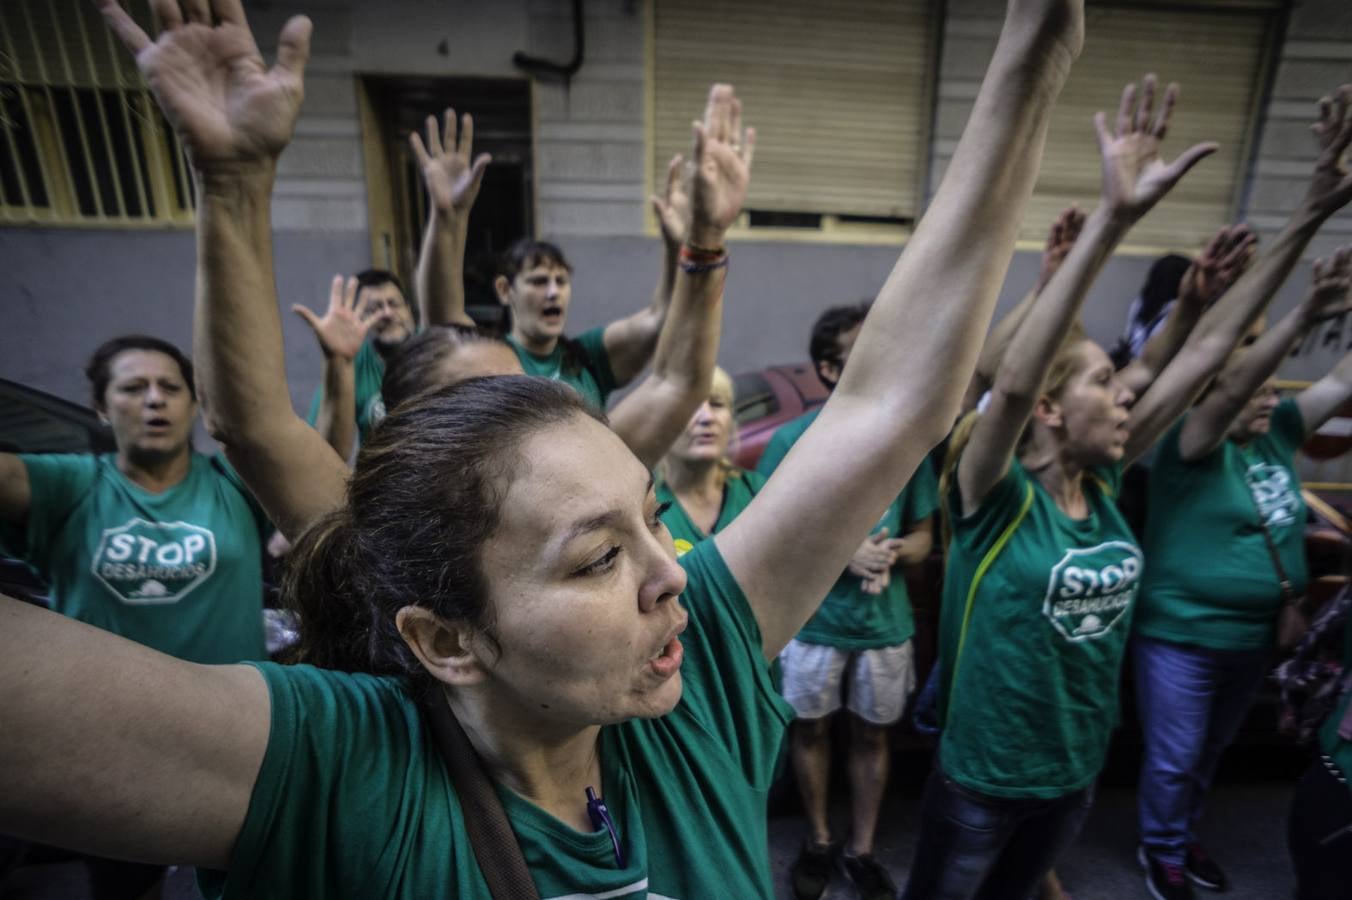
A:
(490, 834)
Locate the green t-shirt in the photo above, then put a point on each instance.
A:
(179, 571)
(593, 379)
(352, 799)
(1030, 693)
(849, 618)
(738, 490)
(1339, 750)
(1211, 582)
(368, 372)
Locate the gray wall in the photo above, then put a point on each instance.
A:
(67, 289)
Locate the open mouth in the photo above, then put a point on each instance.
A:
(552, 314)
(158, 423)
(667, 661)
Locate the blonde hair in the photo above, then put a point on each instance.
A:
(1064, 364)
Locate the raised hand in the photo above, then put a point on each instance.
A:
(342, 329)
(452, 180)
(1331, 290)
(1060, 238)
(722, 167)
(1331, 186)
(228, 108)
(673, 210)
(1218, 266)
(1134, 176)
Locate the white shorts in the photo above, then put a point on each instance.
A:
(879, 681)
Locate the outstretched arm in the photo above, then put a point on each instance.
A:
(1064, 231)
(1321, 400)
(1222, 326)
(1207, 425)
(109, 746)
(234, 116)
(116, 749)
(340, 333)
(452, 183)
(1134, 180)
(654, 413)
(915, 355)
(630, 341)
(1223, 260)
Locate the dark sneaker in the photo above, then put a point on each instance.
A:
(1203, 871)
(811, 871)
(869, 877)
(1166, 881)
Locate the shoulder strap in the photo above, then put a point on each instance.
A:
(490, 834)
(986, 562)
(1288, 592)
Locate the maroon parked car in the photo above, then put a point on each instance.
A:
(766, 400)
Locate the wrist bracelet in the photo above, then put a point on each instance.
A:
(695, 250)
(694, 267)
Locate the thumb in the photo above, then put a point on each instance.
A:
(293, 45)
(307, 314)
(1189, 158)
(879, 537)
(480, 165)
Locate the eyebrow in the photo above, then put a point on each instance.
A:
(601, 520)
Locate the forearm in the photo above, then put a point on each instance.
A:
(1225, 322)
(917, 545)
(337, 420)
(962, 247)
(1161, 348)
(440, 276)
(653, 416)
(237, 330)
(1035, 344)
(631, 342)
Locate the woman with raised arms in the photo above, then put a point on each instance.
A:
(501, 556)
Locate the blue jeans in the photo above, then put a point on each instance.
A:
(1191, 702)
(972, 845)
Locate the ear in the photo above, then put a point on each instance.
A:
(446, 650)
(503, 287)
(1048, 412)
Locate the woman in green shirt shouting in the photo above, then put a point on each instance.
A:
(500, 556)
(1042, 569)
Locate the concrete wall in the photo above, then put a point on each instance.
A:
(68, 289)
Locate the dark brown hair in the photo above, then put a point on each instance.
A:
(413, 367)
(99, 369)
(423, 499)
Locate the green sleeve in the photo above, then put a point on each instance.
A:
(313, 415)
(593, 346)
(57, 483)
(345, 755)
(921, 496)
(726, 680)
(1288, 425)
(221, 464)
(981, 528)
(775, 451)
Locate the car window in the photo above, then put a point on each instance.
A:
(755, 398)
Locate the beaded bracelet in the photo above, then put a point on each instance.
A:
(692, 267)
(694, 251)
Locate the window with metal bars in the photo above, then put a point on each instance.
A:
(81, 140)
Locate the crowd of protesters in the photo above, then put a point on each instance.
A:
(554, 646)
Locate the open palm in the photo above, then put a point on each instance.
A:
(342, 329)
(1331, 289)
(1134, 176)
(452, 180)
(722, 164)
(225, 104)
